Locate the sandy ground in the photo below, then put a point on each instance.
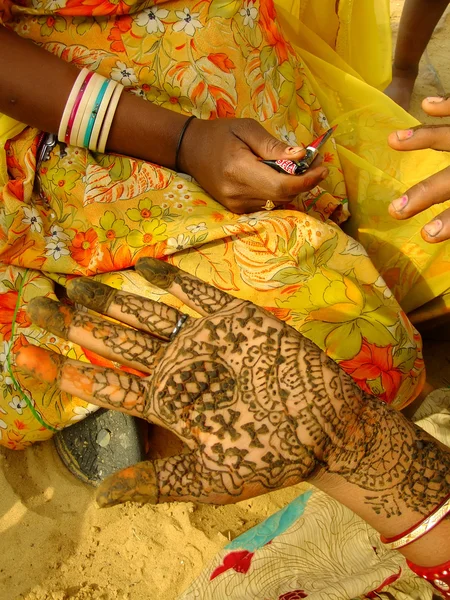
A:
(56, 545)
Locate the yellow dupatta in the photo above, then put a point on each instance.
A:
(9, 128)
(358, 30)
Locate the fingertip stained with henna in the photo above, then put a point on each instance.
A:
(51, 315)
(92, 294)
(133, 484)
(157, 272)
(42, 364)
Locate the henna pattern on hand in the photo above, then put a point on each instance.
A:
(165, 275)
(258, 405)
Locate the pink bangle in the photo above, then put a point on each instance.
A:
(439, 577)
(76, 104)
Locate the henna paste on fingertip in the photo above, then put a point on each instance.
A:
(134, 484)
(42, 364)
(92, 294)
(51, 315)
(157, 272)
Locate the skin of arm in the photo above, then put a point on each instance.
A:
(27, 66)
(143, 130)
(258, 406)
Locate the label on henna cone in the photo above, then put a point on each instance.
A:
(287, 165)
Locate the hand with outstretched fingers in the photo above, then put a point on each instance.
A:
(436, 189)
(258, 406)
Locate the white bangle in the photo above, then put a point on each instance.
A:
(101, 115)
(111, 111)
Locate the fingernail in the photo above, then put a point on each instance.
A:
(405, 134)
(157, 272)
(434, 228)
(92, 294)
(295, 149)
(434, 99)
(324, 173)
(399, 204)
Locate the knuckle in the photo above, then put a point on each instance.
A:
(227, 190)
(244, 125)
(235, 206)
(420, 190)
(274, 145)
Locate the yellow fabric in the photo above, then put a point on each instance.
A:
(97, 214)
(358, 30)
(9, 128)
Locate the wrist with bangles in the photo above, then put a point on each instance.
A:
(89, 112)
(438, 576)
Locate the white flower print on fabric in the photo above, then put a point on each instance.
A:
(252, 220)
(33, 219)
(83, 411)
(287, 136)
(57, 233)
(56, 249)
(125, 75)
(150, 18)
(197, 228)
(188, 22)
(250, 13)
(323, 120)
(5, 379)
(18, 404)
(53, 5)
(139, 92)
(179, 243)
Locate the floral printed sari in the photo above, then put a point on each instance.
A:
(82, 213)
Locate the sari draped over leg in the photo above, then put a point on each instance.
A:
(90, 214)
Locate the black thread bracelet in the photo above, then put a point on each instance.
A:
(180, 141)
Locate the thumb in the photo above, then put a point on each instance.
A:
(134, 484)
(437, 106)
(152, 482)
(265, 145)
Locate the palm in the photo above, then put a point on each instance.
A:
(250, 397)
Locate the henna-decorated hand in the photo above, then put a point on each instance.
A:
(258, 405)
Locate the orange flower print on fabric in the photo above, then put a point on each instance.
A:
(122, 25)
(83, 247)
(8, 303)
(222, 61)
(94, 8)
(373, 368)
(272, 32)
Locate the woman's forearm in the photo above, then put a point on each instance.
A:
(35, 87)
(393, 474)
(417, 24)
